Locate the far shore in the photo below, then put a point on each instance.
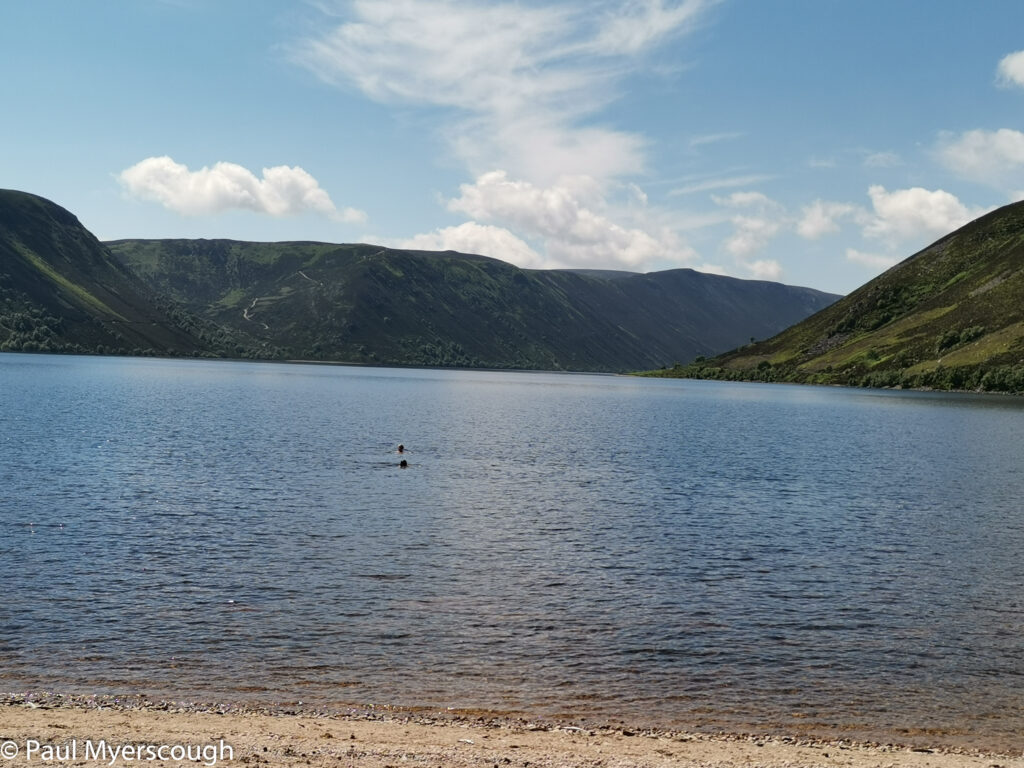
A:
(122, 729)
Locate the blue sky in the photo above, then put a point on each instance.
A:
(813, 142)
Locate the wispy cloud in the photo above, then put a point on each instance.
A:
(825, 163)
(714, 138)
(725, 182)
(519, 87)
(629, 28)
(522, 82)
(757, 221)
(282, 191)
(882, 160)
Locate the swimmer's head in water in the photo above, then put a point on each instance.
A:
(403, 463)
(401, 448)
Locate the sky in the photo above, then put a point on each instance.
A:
(812, 142)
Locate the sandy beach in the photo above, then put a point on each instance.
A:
(78, 731)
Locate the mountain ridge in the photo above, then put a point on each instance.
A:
(61, 290)
(367, 303)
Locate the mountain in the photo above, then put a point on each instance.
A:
(62, 291)
(363, 303)
(949, 317)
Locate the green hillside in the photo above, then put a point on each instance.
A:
(62, 291)
(948, 317)
(363, 303)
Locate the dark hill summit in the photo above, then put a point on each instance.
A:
(364, 303)
(62, 291)
(948, 317)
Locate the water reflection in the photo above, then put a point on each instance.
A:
(671, 552)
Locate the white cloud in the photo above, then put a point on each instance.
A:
(519, 81)
(572, 231)
(485, 240)
(636, 25)
(916, 213)
(872, 260)
(995, 158)
(822, 218)
(764, 269)
(1011, 70)
(520, 86)
(282, 191)
(754, 230)
(752, 233)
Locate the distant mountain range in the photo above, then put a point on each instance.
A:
(948, 317)
(62, 290)
(369, 304)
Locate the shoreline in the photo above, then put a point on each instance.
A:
(374, 737)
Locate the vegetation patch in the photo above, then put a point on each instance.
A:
(75, 290)
(951, 317)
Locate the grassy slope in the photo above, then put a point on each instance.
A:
(951, 316)
(62, 291)
(370, 304)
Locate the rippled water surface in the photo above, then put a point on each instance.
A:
(674, 553)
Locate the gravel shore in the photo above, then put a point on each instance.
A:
(73, 727)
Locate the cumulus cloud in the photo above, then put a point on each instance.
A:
(519, 82)
(822, 218)
(1011, 70)
(995, 158)
(558, 216)
(282, 191)
(481, 239)
(911, 214)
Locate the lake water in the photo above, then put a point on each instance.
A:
(659, 552)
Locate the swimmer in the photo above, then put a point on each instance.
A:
(403, 464)
(401, 448)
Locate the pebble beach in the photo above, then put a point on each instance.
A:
(375, 738)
